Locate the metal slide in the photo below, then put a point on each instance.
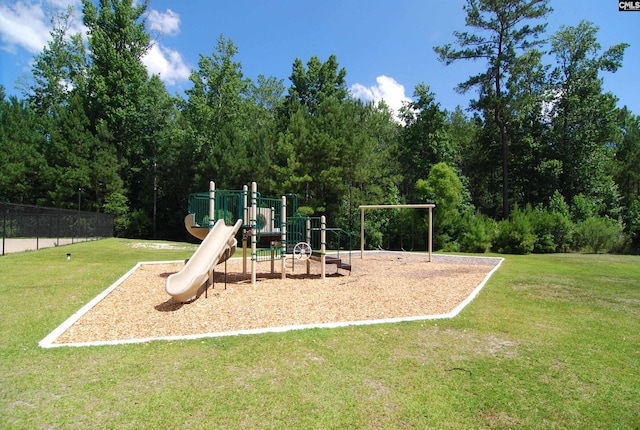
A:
(218, 245)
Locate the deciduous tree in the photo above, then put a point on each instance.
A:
(117, 41)
(424, 140)
(584, 117)
(214, 112)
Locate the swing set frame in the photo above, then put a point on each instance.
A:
(430, 207)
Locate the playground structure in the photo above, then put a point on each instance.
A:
(273, 229)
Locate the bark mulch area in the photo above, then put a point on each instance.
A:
(382, 285)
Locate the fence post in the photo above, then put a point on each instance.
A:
(4, 224)
(37, 228)
(58, 228)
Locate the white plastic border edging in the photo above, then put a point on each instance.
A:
(47, 342)
(475, 292)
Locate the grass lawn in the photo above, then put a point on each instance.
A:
(552, 341)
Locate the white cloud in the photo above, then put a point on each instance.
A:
(387, 89)
(27, 24)
(23, 25)
(167, 63)
(551, 98)
(160, 60)
(164, 23)
(63, 4)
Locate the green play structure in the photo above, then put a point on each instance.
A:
(272, 230)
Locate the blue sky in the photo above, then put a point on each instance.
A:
(385, 46)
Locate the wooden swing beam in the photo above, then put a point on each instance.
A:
(410, 206)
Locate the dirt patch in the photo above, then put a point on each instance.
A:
(152, 245)
(380, 286)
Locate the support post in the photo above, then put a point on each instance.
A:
(244, 252)
(361, 232)
(272, 221)
(245, 205)
(283, 238)
(212, 203)
(245, 221)
(323, 245)
(272, 245)
(430, 238)
(254, 232)
(307, 238)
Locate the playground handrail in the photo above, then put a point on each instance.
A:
(339, 234)
(337, 238)
(228, 206)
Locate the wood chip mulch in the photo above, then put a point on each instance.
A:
(381, 285)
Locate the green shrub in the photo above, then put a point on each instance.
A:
(598, 234)
(562, 231)
(139, 225)
(582, 208)
(477, 232)
(633, 225)
(373, 234)
(553, 230)
(515, 236)
(444, 188)
(117, 204)
(558, 204)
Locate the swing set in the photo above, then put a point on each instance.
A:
(430, 207)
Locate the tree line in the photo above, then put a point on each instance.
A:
(542, 160)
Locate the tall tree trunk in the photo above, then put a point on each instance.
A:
(505, 171)
(504, 140)
(502, 125)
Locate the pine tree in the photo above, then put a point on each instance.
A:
(500, 31)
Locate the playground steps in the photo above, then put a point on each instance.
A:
(329, 259)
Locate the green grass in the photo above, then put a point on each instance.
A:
(552, 341)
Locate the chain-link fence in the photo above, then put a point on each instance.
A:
(24, 227)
